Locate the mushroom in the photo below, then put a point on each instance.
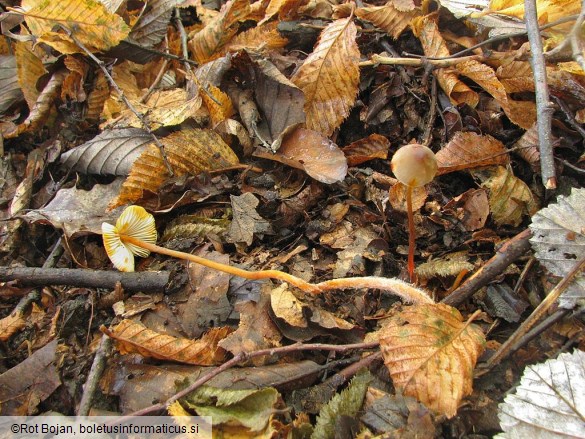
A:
(414, 165)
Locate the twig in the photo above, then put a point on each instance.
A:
(156, 82)
(508, 253)
(544, 107)
(428, 134)
(242, 357)
(541, 309)
(139, 281)
(95, 373)
(122, 96)
(376, 59)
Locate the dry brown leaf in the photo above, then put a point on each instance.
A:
(11, 324)
(217, 102)
(315, 154)
(397, 197)
(72, 88)
(372, 147)
(471, 208)
(430, 353)
(329, 77)
(286, 9)
(486, 78)
(469, 151)
(133, 337)
(450, 264)
(392, 18)
(510, 198)
(164, 108)
(92, 24)
(97, 97)
(189, 151)
(42, 108)
(30, 68)
(427, 31)
(260, 38)
(206, 43)
(527, 147)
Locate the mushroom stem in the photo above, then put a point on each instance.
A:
(254, 275)
(411, 234)
(395, 286)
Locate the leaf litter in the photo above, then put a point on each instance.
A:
(259, 134)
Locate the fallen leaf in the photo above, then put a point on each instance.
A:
(369, 148)
(393, 17)
(397, 197)
(558, 239)
(30, 69)
(246, 221)
(430, 353)
(468, 150)
(29, 383)
(509, 197)
(10, 91)
(549, 401)
(318, 156)
(11, 324)
(133, 337)
(89, 21)
(450, 264)
(329, 77)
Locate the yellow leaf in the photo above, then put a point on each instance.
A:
(189, 151)
(207, 42)
(509, 197)
(430, 353)
(427, 31)
(88, 20)
(217, 102)
(260, 38)
(391, 18)
(329, 77)
(547, 10)
(10, 325)
(133, 337)
(286, 9)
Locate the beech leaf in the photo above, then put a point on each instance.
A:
(558, 239)
(133, 337)
(246, 220)
(430, 353)
(392, 18)
(329, 77)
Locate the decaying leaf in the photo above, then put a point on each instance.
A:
(397, 415)
(30, 68)
(448, 265)
(151, 27)
(26, 385)
(329, 77)
(89, 22)
(207, 42)
(133, 337)
(549, 402)
(246, 221)
(189, 151)
(372, 147)
(558, 238)
(249, 408)
(315, 154)
(394, 17)
(111, 152)
(427, 31)
(430, 353)
(510, 198)
(78, 212)
(468, 150)
(522, 113)
(11, 324)
(260, 38)
(527, 147)
(397, 197)
(10, 92)
(345, 403)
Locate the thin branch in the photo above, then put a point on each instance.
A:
(94, 376)
(508, 253)
(132, 282)
(544, 108)
(242, 357)
(541, 309)
(376, 59)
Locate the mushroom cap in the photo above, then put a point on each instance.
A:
(136, 222)
(414, 165)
